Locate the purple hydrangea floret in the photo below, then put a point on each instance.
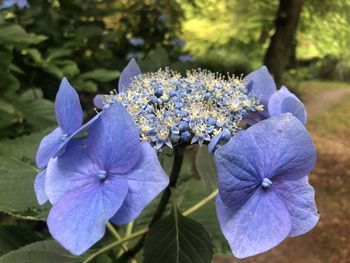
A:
(264, 194)
(128, 74)
(69, 115)
(111, 175)
(126, 77)
(261, 84)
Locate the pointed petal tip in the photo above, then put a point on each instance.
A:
(65, 84)
(262, 86)
(78, 220)
(68, 110)
(129, 72)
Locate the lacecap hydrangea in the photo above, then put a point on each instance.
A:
(262, 150)
(170, 109)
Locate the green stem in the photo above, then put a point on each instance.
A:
(201, 203)
(116, 235)
(114, 244)
(129, 228)
(143, 231)
(174, 176)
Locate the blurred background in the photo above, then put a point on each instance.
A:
(304, 43)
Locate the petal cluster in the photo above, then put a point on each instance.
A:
(170, 109)
(109, 176)
(264, 194)
(276, 102)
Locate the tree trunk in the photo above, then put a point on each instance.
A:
(286, 23)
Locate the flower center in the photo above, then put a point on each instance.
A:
(169, 108)
(266, 183)
(64, 136)
(101, 174)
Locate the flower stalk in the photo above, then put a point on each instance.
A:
(174, 176)
(143, 231)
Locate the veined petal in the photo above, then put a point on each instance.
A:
(299, 198)
(49, 146)
(283, 101)
(238, 170)
(69, 113)
(145, 182)
(284, 147)
(129, 72)
(69, 171)
(39, 187)
(114, 140)
(78, 219)
(261, 224)
(263, 86)
(277, 147)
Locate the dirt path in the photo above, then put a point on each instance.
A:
(329, 241)
(324, 100)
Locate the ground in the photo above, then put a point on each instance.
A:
(328, 106)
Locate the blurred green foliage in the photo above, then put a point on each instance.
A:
(88, 41)
(229, 36)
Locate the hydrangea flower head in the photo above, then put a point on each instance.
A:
(276, 102)
(264, 194)
(170, 109)
(69, 115)
(110, 176)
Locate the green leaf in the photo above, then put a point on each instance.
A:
(16, 35)
(34, 54)
(17, 169)
(58, 53)
(85, 85)
(177, 239)
(35, 110)
(6, 58)
(6, 107)
(13, 237)
(102, 75)
(9, 84)
(7, 119)
(61, 68)
(188, 195)
(206, 168)
(40, 252)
